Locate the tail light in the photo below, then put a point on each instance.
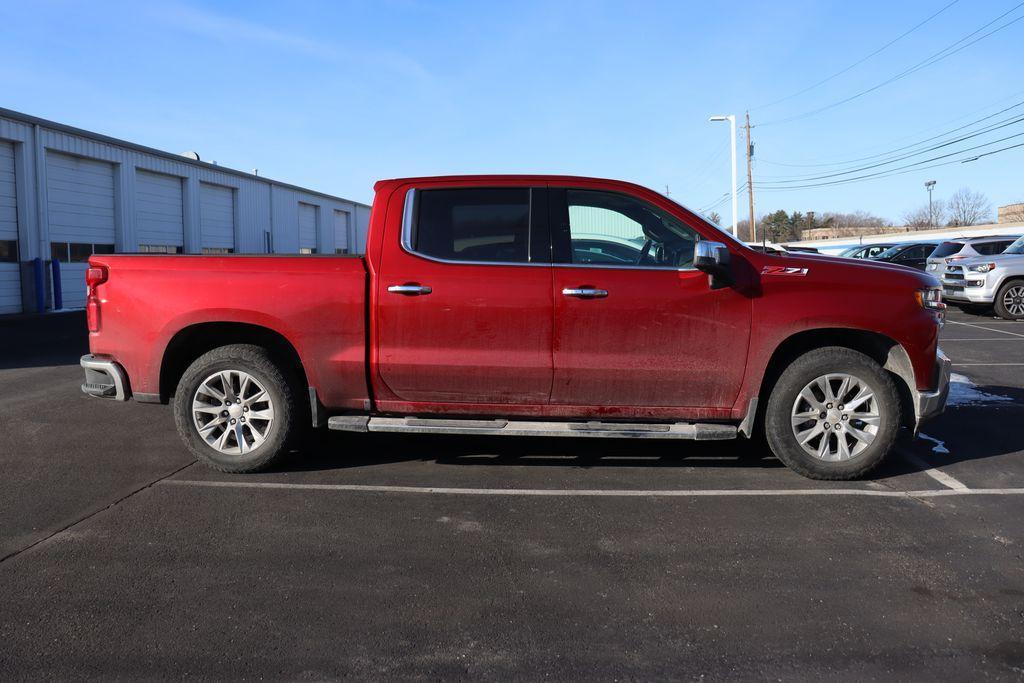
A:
(94, 276)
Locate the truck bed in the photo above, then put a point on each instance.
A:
(317, 303)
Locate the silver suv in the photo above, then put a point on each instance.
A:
(966, 247)
(988, 282)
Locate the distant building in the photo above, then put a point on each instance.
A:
(1011, 213)
(66, 193)
(829, 233)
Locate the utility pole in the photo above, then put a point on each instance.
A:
(750, 181)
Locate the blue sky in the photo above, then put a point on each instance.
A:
(334, 95)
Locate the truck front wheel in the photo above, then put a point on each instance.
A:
(833, 414)
(234, 409)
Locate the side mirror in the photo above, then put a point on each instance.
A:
(713, 259)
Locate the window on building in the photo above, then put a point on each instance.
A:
(159, 249)
(474, 224)
(77, 252)
(9, 251)
(307, 250)
(217, 250)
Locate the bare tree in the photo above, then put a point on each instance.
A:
(925, 216)
(714, 217)
(855, 219)
(969, 208)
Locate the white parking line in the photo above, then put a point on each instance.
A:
(964, 365)
(938, 475)
(611, 493)
(1014, 339)
(988, 329)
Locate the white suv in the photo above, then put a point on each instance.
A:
(960, 248)
(988, 281)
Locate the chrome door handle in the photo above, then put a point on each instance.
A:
(410, 290)
(585, 293)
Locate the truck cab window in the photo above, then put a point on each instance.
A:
(473, 224)
(607, 228)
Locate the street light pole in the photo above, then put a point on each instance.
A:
(732, 148)
(931, 215)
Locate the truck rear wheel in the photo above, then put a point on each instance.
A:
(833, 414)
(235, 410)
(1009, 303)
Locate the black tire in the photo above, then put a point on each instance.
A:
(1000, 303)
(805, 369)
(282, 431)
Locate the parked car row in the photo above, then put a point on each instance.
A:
(988, 282)
(977, 273)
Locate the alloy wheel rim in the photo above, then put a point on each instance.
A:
(835, 417)
(1013, 300)
(232, 412)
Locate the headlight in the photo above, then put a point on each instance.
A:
(982, 267)
(930, 299)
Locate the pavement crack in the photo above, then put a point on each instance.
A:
(92, 514)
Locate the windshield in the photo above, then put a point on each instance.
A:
(890, 252)
(947, 249)
(1017, 247)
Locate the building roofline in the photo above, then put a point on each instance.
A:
(35, 120)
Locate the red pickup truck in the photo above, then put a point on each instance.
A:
(524, 305)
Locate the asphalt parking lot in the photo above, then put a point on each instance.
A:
(385, 556)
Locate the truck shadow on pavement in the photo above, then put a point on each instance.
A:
(962, 433)
(335, 450)
(33, 341)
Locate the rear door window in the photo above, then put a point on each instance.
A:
(991, 248)
(473, 224)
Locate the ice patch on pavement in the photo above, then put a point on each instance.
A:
(939, 447)
(964, 392)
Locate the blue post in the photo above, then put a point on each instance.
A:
(58, 293)
(37, 271)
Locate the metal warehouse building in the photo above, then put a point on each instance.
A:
(66, 193)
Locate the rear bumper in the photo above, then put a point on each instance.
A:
(932, 403)
(104, 378)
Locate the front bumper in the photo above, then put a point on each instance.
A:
(932, 403)
(104, 378)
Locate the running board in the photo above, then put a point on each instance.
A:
(500, 427)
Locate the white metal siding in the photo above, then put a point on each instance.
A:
(217, 216)
(80, 208)
(10, 278)
(159, 218)
(341, 223)
(307, 226)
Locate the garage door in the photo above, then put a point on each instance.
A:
(10, 277)
(158, 213)
(80, 206)
(217, 218)
(307, 228)
(341, 232)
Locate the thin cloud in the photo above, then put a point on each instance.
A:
(230, 29)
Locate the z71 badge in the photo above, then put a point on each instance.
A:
(783, 270)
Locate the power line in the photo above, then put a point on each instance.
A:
(897, 149)
(988, 129)
(859, 61)
(916, 166)
(947, 51)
